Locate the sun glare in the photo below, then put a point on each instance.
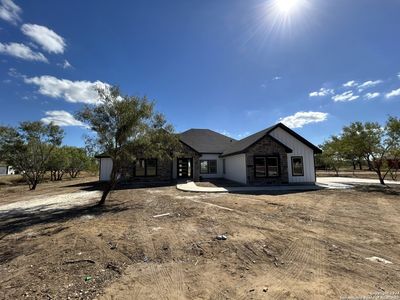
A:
(286, 6)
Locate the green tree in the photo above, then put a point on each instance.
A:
(354, 143)
(28, 148)
(126, 128)
(77, 161)
(57, 163)
(374, 142)
(332, 154)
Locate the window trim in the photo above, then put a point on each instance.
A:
(208, 166)
(145, 167)
(266, 165)
(302, 164)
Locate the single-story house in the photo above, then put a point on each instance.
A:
(275, 155)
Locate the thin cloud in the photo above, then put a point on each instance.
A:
(21, 51)
(45, 37)
(370, 96)
(350, 83)
(65, 64)
(71, 91)
(10, 12)
(398, 75)
(243, 135)
(322, 92)
(277, 78)
(302, 118)
(368, 84)
(345, 97)
(62, 118)
(393, 93)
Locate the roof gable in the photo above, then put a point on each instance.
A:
(241, 145)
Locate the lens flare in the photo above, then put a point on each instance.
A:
(287, 6)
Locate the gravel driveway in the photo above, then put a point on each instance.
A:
(44, 203)
(348, 182)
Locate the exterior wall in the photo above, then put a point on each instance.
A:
(266, 147)
(105, 168)
(235, 168)
(3, 170)
(164, 171)
(299, 149)
(6, 170)
(216, 157)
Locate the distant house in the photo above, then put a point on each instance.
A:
(275, 155)
(6, 170)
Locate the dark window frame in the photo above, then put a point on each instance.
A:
(145, 167)
(265, 157)
(208, 166)
(302, 164)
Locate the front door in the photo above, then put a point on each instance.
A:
(185, 168)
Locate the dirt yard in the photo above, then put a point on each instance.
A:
(308, 245)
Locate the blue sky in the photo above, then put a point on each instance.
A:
(233, 66)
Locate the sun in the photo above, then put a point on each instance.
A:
(287, 6)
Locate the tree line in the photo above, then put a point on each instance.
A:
(34, 149)
(369, 143)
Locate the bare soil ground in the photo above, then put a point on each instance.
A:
(309, 245)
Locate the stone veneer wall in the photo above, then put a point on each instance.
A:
(164, 172)
(187, 152)
(265, 147)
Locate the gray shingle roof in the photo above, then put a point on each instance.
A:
(206, 140)
(243, 144)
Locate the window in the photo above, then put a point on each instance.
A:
(272, 166)
(140, 167)
(223, 166)
(297, 166)
(208, 167)
(151, 167)
(146, 167)
(266, 166)
(260, 167)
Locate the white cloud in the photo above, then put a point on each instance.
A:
(9, 11)
(346, 96)
(61, 118)
(45, 37)
(277, 78)
(350, 83)
(398, 75)
(21, 51)
(322, 92)
(368, 84)
(302, 118)
(65, 64)
(393, 93)
(71, 91)
(370, 96)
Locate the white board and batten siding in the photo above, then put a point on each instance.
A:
(105, 168)
(216, 157)
(299, 149)
(235, 168)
